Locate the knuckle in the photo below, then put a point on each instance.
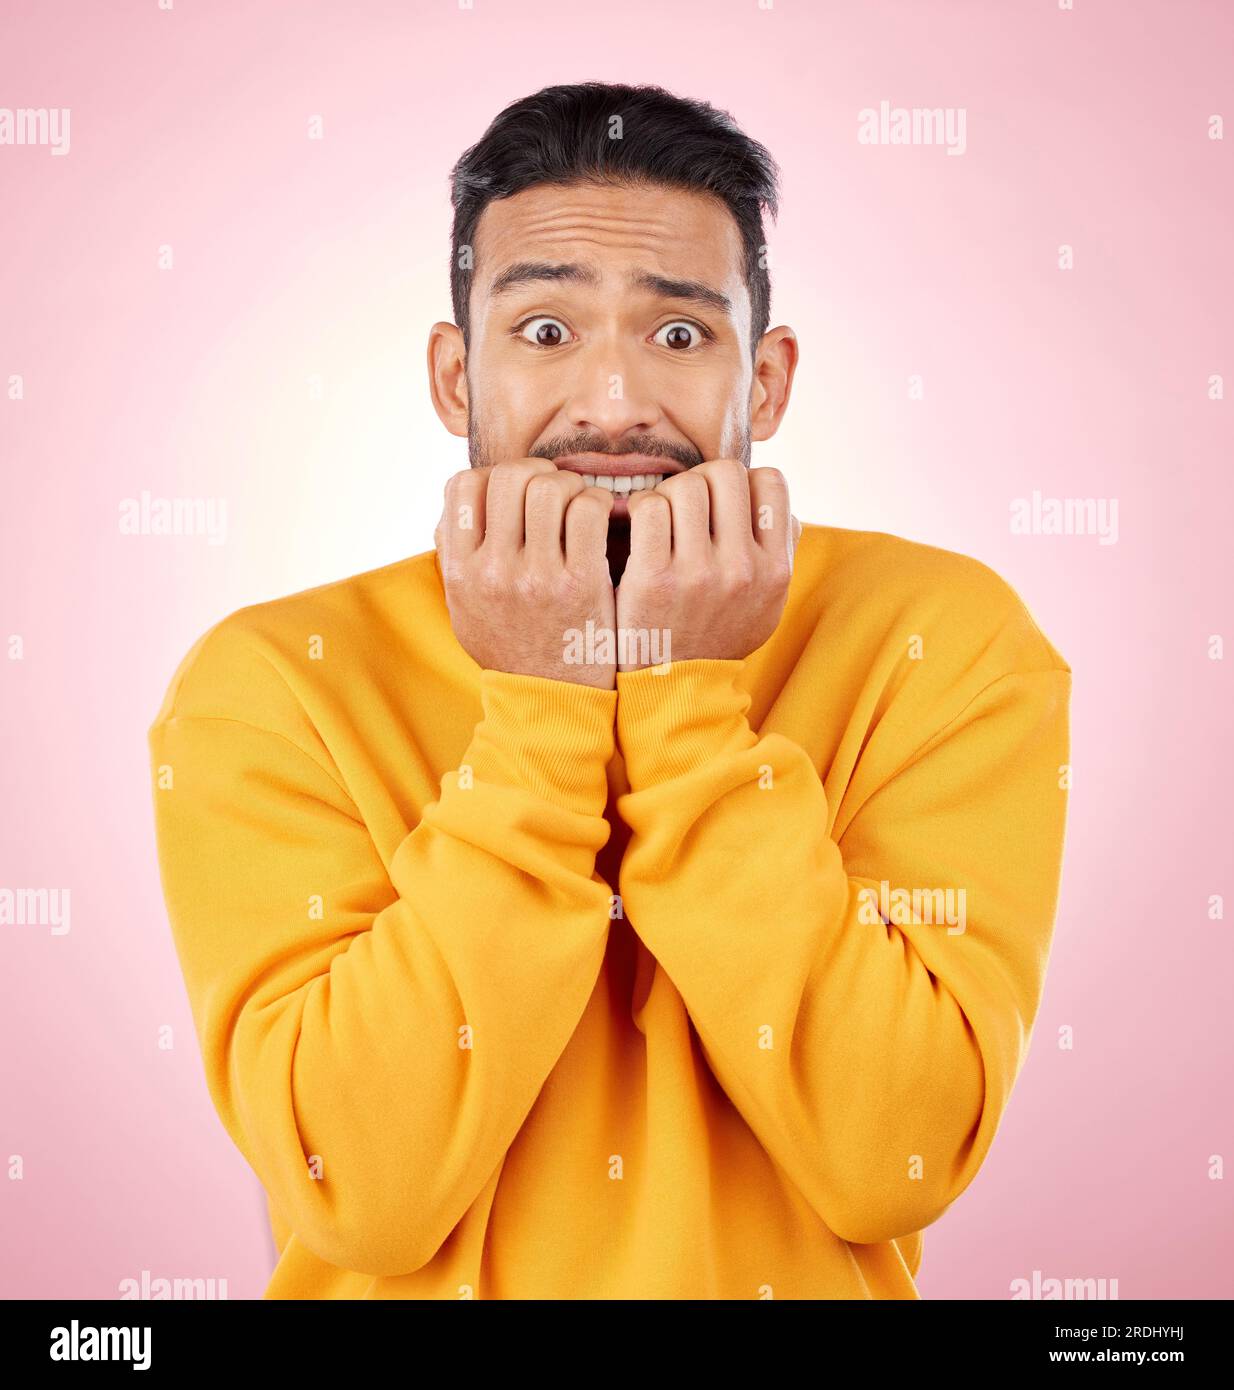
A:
(692, 487)
(510, 473)
(543, 588)
(570, 587)
(528, 467)
(658, 584)
(741, 574)
(591, 499)
(491, 575)
(527, 583)
(541, 491)
(721, 467)
(651, 502)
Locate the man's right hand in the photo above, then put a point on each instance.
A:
(514, 587)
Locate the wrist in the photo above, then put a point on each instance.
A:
(674, 719)
(552, 737)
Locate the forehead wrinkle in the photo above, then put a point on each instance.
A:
(605, 224)
(646, 276)
(621, 224)
(644, 237)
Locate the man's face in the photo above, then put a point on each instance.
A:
(610, 331)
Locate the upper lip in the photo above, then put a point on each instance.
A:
(618, 465)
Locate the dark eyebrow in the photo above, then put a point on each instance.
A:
(692, 290)
(528, 272)
(525, 272)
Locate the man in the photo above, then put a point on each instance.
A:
(640, 895)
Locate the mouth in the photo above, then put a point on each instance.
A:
(620, 474)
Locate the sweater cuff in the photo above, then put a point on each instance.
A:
(554, 738)
(675, 719)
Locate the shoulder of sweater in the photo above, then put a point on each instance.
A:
(253, 664)
(899, 589)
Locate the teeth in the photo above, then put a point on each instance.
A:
(620, 487)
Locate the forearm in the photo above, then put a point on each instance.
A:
(374, 1062)
(873, 1060)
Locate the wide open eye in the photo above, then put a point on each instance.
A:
(544, 332)
(680, 335)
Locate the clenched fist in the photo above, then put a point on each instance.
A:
(711, 556)
(522, 548)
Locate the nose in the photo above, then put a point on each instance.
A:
(613, 396)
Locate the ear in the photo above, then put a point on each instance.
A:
(772, 384)
(447, 376)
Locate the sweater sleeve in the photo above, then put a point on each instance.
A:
(871, 1051)
(374, 1038)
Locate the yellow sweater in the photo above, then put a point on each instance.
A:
(713, 986)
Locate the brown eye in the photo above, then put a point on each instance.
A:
(677, 335)
(546, 332)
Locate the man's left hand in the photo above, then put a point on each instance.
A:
(711, 556)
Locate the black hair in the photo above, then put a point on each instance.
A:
(564, 135)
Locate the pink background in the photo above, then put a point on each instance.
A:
(297, 259)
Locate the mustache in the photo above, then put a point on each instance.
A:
(648, 444)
